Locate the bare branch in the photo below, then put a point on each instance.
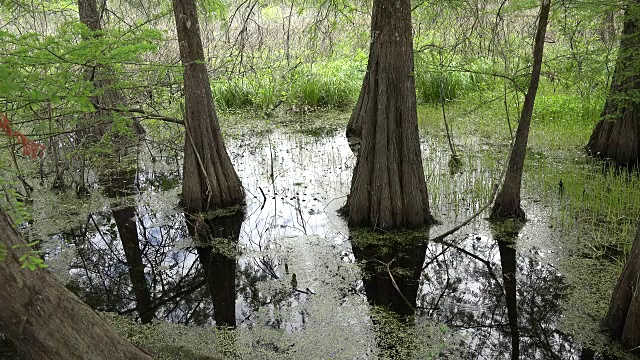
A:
(143, 112)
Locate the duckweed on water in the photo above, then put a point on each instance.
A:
(293, 231)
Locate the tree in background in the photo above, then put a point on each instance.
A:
(388, 189)
(617, 134)
(117, 173)
(507, 202)
(102, 76)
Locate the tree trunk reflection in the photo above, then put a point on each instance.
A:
(506, 235)
(216, 241)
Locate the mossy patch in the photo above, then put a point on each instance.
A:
(388, 240)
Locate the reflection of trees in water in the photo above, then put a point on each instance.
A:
(180, 289)
(454, 288)
(513, 315)
(509, 284)
(517, 318)
(118, 184)
(391, 266)
(125, 222)
(216, 241)
(174, 274)
(391, 270)
(101, 269)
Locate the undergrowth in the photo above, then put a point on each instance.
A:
(596, 207)
(327, 83)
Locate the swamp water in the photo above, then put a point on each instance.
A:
(292, 282)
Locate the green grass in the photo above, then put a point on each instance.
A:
(454, 85)
(329, 83)
(598, 210)
(452, 81)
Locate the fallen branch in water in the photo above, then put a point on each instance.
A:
(393, 281)
(451, 231)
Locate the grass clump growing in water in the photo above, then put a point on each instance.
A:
(450, 81)
(329, 83)
(598, 206)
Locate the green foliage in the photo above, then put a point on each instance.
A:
(565, 108)
(31, 259)
(48, 81)
(431, 86)
(214, 9)
(452, 81)
(40, 5)
(40, 71)
(332, 83)
(335, 83)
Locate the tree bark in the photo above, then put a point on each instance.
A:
(388, 189)
(616, 137)
(210, 181)
(623, 319)
(507, 203)
(354, 127)
(89, 14)
(44, 320)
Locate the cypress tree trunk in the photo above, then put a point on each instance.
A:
(388, 189)
(623, 319)
(210, 181)
(44, 320)
(89, 14)
(354, 127)
(507, 203)
(617, 135)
